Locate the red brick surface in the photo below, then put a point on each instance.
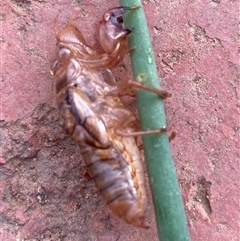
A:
(43, 194)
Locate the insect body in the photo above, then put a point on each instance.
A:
(91, 113)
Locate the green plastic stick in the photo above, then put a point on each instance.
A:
(170, 215)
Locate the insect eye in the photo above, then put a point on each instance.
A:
(64, 53)
(116, 20)
(120, 20)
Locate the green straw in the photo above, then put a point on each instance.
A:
(169, 210)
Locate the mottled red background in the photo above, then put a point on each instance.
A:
(43, 194)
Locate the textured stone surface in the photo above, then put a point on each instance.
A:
(43, 194)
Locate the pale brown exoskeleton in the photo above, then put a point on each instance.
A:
(93, 114)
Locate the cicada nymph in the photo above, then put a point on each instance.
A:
(92, 112)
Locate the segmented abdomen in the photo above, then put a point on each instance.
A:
(120, 183)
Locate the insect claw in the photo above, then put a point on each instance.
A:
(87, 175)
(172, 136)
(127, 31)
(146, 224)
(134, 7)
(131, 49)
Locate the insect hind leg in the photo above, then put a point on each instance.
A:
(148, 132)
(127, 86)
